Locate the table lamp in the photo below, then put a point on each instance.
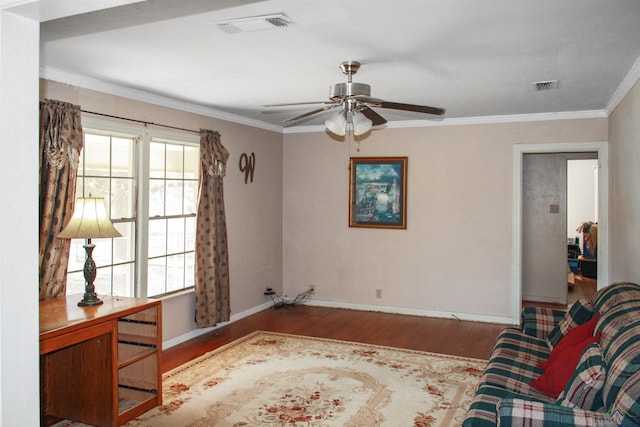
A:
(89, 221)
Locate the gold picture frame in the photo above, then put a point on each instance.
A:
(378, 192)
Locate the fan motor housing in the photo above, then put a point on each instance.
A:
(343, 90)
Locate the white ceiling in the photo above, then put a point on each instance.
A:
(473, 58)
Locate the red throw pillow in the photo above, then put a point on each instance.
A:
(573, 337)
(556, 376)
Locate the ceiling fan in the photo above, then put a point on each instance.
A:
(355, 103)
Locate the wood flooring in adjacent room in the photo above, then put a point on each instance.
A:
(449, 336)
(577, 288)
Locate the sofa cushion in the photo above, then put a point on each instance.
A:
(514, 363)
(579, 313)
(527, 413)
(557, 375)
(627, 403)
(482, 411)
(613, 322)
(540, 321)
(517, 344)
(614, 294)
(623, 361)
(584, 389)
(572, 337)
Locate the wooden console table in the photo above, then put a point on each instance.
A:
(99, 365)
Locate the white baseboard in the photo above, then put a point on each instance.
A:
(197, 332)
(331, 304)
(415, 312)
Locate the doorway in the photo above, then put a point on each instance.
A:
(555, 191)
(582, 214)
(601, 148)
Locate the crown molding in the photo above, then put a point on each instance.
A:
(143, 96)
(458, 121)
(627, 84)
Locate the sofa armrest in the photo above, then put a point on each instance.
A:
(529, 413)
(540, 321)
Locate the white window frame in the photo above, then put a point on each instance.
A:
(145, 135)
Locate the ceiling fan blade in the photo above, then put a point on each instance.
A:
(410, 107)
(376, 118)
(293, 104)
(309, 114)
(368, 99)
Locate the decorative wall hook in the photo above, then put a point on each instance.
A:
(247, 165)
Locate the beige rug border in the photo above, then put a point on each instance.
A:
(201, 359)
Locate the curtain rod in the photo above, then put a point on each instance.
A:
(140, 121)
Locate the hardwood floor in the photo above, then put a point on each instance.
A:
(449, 336)
(577, 288)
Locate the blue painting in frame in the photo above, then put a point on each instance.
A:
(378, 192)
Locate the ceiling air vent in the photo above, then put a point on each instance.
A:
(544, 85)
(254, 23)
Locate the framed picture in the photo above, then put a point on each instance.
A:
(378, 192)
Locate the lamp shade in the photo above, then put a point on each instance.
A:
(337, 123)
(361, 123)
(89, 221)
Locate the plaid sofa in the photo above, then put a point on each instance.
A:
(604, 389)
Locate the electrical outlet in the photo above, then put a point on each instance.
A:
(313, 288)
(378, 293)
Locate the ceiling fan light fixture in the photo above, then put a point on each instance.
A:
(361, 123)
(337, 123)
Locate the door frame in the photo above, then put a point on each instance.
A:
(519, 150)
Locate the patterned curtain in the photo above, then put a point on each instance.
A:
(61, 140)
(212, 257)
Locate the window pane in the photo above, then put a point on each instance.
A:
(157, 274)
(122, 198)
(103, 281)
(122, 163)
(189, 267)
(102, 254)
(75, 283)
(76, 256)
(97, 187)
(156, 197)
(123, 278)
(157, 237)
(96, 155)
(174, 197)
(175, 238)
(80, 185)
(191, 162)
(190, 233)
(156, 159)
(190, 197)
(175, 272)
(175, 159)
(124, 248)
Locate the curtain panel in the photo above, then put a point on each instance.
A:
(212, 257)
(61, 141)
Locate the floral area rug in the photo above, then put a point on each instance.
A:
(270, 379)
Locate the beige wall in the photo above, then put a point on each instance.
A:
(456, 254)
(289, 229)
(254, 210)
(624, 138)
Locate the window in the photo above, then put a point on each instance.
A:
(149, 180)
(173, 191)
